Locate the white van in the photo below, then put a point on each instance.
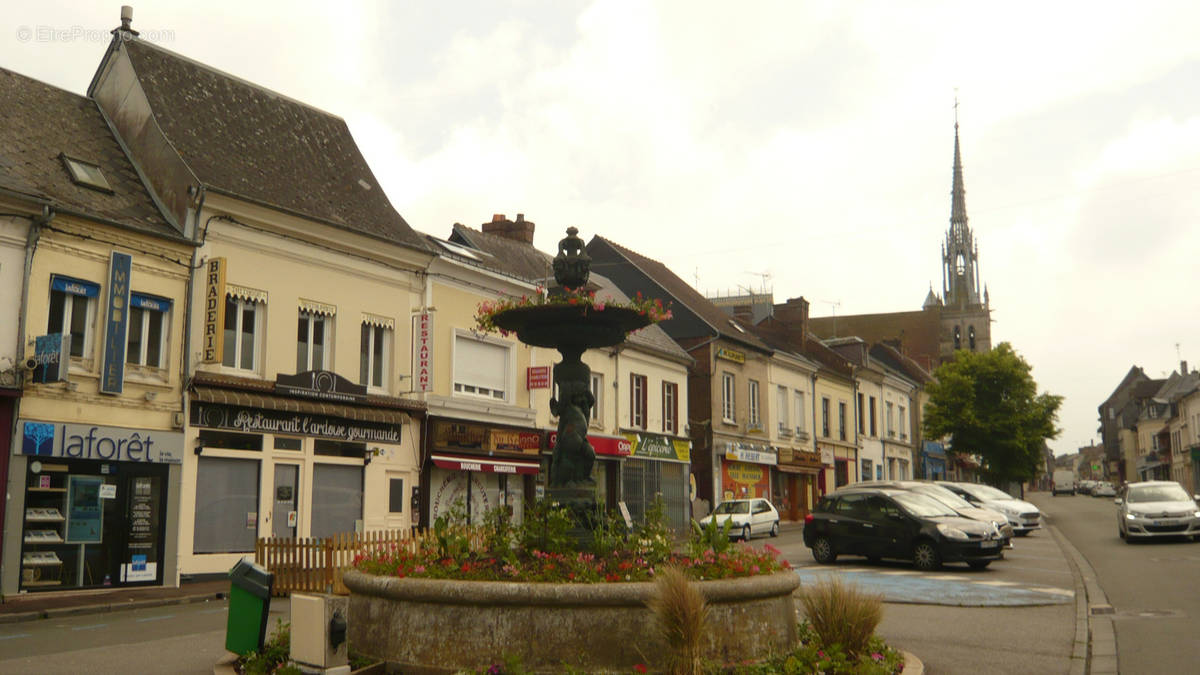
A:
(1064, 482)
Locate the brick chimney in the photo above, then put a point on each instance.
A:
(521, 230)
(794, 313)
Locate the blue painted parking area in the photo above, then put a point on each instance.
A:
(937, 588)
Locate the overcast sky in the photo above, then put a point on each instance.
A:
(801, 147)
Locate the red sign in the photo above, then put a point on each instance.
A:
(617, 446)
(537, 377)
(485, 465)
(422, 354)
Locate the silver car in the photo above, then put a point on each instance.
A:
(949, 498)
(1023, 516)
(1156, 508)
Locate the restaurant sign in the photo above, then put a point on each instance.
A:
(266, 420)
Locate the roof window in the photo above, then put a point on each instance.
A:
(86, 174)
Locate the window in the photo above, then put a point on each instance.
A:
(752, 401)
(825, 416)
(72, 304)
(971, 337)
(800, 411)
(957, 338)
(866, 469)
(670, 408)
(226, 505)
(481, 368)
(727, 398)
(86, 174)
(374, 348)
(891, 431)
(781, 409)
(842, 420)
(874, 416)
(243, 322)
(597, 393)
(862, 416)
(396, 495)
(902, 422)
(147, 330)
(637, 401)
(313, 337)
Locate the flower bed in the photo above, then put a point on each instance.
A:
(486, 312)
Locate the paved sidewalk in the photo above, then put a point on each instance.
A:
(32, 606)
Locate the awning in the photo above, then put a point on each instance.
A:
(792, 468)
(486, 464)
(247, 399)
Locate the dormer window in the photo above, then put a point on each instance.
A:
(86, 174)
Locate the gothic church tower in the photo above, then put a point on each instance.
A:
(965, 314)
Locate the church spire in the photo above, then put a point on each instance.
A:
(959, 253)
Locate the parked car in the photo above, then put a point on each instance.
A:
(747, 517)
(1085, 486)
(889, 523)
(1023, 516)
(1104, 490)
(960, 506)
(1156, 508)
(1064, 483)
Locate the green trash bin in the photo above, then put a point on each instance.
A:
(249, 602)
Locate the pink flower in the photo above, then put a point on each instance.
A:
(640, 668)
(599, 306)
(877, 656)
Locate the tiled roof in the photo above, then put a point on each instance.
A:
(687, 298)
(247, 141)
(916, 331)
(892, 358)
(38, 123)
(507, 255)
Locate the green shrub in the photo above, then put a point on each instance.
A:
(712, 536)
(842, 615)
(546, 527)
(274, 653)
(652, 537)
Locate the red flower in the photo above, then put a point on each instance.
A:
(640, 668)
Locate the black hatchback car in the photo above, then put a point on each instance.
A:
(887, 523)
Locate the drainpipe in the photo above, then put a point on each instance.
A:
(31, 244)
(186, 360)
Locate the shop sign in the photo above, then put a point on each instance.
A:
(459, 435)
(52, 353)
(422, 352)
(648, 446)
(320, 384)
(537, 377)
(827, 456)
(740, 480)
(116, 324)
(615, 446)
(114, 444)
(265, 420)
(142, 536)
(85, 515)
(514, 439)
(731, 355)
(213, 346)
(745, 452)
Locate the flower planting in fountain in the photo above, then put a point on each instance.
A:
(540, 550)
(585, 300)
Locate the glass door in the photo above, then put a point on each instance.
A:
(284, 513)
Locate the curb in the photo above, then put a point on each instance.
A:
(1095, 648)
(912, 665)
(100, 608)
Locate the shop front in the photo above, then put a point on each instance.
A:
(746, 470)
(611, 453)
(933, 457)
(310, 455)
(658, 466)
(794, 488)
(98, 503)
(474, 468)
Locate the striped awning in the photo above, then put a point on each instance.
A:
(318, 308)
(377, 320)
(246, 293)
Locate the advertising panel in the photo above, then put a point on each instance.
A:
(85, 515)
(116, 324)
(742, 480)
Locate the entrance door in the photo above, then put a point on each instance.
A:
(287, 491)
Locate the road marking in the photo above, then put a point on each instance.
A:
(91, 627)
(998, 583)
(155, 618)
(214, 611)
(13, 637)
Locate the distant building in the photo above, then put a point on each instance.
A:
(957, 318)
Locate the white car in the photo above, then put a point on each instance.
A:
(1156, 508)
(1023, 516)
(747, 517)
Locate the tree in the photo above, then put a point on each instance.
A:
(987, 404)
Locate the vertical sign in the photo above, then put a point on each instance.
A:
(422, 352)
(53, 354)
(214, 311)
(112, 372)
(141, 548)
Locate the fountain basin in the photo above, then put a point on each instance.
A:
(439, 626)
(573, 326)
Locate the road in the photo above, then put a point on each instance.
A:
(1151, 586)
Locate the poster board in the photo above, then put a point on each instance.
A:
(85, 513)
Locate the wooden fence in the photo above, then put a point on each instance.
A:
(315, 565)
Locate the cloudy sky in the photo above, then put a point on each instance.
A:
(801, 147)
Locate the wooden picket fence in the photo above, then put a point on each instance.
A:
(316, 565)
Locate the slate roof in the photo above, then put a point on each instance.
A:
(916, 331)
(684, 296)
(249, 142)
(894, 359)
(38, 123)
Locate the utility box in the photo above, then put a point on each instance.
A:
(249, 603)
(319, 632)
